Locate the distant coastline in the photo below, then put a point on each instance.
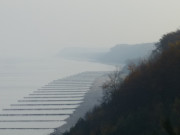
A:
(119, 54)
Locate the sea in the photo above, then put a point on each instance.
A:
(21, 77)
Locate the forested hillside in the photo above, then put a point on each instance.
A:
(147, 102)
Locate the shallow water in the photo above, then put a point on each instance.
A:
(38, 96)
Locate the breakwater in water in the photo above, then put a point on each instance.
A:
(47, 108)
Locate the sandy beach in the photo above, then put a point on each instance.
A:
(91, 99)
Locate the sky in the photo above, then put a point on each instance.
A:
(42, 27)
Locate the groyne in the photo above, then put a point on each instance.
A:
(57, 105)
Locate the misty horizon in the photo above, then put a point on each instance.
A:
(39, 28)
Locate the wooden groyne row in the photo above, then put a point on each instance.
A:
(49, 106)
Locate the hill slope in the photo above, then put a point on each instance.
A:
(146, 103)
(124, 52)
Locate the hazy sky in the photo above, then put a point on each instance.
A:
(41, 27)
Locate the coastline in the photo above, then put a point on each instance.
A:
(92, 98)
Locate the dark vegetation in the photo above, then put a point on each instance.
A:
(147, 102)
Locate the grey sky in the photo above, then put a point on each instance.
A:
(40, 27)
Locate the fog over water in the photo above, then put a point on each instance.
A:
(20, 78)
(33, 32)
(23, 78)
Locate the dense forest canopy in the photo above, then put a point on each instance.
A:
(168, 40)
(147, 102)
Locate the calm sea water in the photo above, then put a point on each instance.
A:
(20, 78)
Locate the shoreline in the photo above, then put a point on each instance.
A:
(92, 98)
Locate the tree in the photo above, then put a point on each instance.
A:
(166, 41)
(113, 84)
